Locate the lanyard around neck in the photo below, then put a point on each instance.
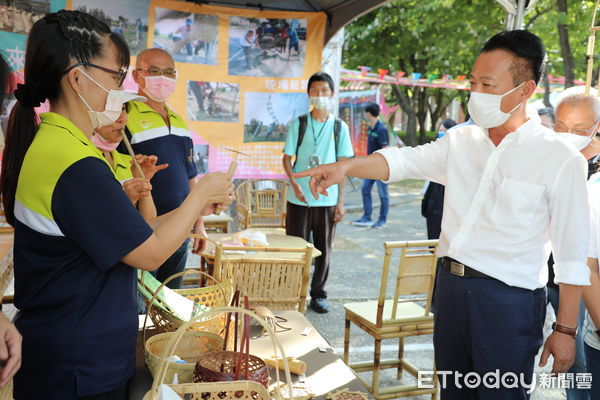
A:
(315, 136)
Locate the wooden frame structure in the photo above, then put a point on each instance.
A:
(261, 203)
(398, 317)
(279, 283)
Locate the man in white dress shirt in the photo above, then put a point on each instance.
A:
(513, 190)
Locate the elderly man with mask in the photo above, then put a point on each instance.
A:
(512, 189)
(153, 127)
(576, 121)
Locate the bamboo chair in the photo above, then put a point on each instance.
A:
(397, 317)
(274, 277)
(261, 203)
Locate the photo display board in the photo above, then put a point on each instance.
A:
(242, 74)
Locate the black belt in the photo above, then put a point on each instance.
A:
(459, 269)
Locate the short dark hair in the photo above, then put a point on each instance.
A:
(528, 50)
(549, 111)
(320, 77)
(448, 123)
(373, 109)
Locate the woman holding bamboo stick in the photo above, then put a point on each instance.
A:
(78, 237)
(135, 175)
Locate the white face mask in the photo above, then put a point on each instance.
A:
(485, 109)
(320, 102)
(112, 109)
(579, 141)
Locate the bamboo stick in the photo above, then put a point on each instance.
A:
(231, 172)
(132, 154)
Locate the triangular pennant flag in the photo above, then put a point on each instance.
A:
(431, 77)
(416, 76)
(382, 73)
(400, 74)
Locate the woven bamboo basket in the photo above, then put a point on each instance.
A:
(231, 390)
(191, 346)
(223, 365)
(165, 320)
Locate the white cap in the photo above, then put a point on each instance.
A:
(133, 97)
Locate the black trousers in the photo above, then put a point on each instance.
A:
(484, 326)
(121, 393)
(301, 221)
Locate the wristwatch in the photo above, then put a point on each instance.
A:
(564, 329)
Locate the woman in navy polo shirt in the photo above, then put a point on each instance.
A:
(77, 235)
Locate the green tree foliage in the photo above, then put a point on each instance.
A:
(549, 20)
(443, 37)
(431, 37)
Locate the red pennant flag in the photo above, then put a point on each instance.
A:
(382, 73)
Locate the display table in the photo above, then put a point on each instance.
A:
(325, 372)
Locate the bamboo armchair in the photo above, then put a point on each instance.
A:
(274, 277)
(397, 317)
(261, 203)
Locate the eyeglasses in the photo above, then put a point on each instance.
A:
(581, 132)
(119, 76)
(155, 71)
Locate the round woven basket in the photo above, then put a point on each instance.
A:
(220, 366)
(191, 347)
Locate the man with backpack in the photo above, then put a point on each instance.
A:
(314, 139)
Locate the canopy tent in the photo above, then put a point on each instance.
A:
(339, 12)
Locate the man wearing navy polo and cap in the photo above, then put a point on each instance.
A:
(155, 129)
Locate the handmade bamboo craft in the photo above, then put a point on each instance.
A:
(232, 390)
(217, 295)
(276, 283)
(261, 203)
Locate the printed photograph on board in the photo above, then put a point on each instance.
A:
(213, 101)
(267, 47)
(126, 18)
(267, 115)
(189, 37)
(200, 157)
(18, 16)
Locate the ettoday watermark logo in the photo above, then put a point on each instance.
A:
(504, 380)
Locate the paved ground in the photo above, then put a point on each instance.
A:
(356, 271)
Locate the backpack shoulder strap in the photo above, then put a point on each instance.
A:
(337, 127)
(303, 120)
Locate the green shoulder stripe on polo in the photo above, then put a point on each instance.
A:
(122, 166)
(57, 145)
(144, 123)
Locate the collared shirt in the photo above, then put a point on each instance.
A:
(172, 145)
(589, 328)
(122, 166)
(505, 205)
(319, 141)
(77, 300)
(377, 137)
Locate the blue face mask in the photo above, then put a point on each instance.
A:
(441, 134)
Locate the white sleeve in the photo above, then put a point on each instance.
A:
(594, 194)
(427, 161)
(569, 223)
